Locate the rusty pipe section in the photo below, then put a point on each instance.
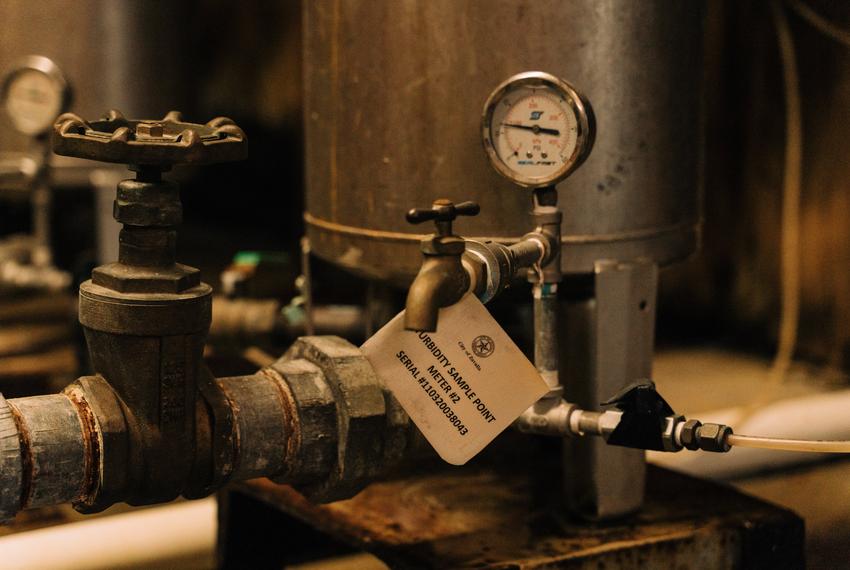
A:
(318, 419)
(242, 316)
(47, 453)
(267, 430)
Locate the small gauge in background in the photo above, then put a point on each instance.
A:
(33, 94)
(537, 129)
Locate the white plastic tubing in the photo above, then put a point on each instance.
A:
(137, 539)
(796, 424)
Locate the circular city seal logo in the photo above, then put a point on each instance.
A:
(483, 346)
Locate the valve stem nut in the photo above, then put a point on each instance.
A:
(150, 130)
(714, 437)
(688, 436)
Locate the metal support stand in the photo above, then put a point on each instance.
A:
(607, 337)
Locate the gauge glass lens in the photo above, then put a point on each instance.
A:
(534, 131)
(33, 101)
(537, 129)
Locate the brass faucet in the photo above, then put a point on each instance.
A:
(442, 280)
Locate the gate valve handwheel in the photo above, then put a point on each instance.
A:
(161, 142)
(148, 207)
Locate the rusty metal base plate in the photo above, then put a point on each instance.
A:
(501, 512)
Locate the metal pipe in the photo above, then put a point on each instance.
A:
(318, 419)
(41, 200)
(48, 452)
(546, 336)
(266, 316)
(549, 416)
(528, 252)
(17, 168)
(265, 423)
(595, 423)
(545, 291)
(307, 285)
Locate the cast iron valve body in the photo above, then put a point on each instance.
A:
(146, 316)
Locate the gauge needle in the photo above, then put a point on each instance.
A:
(535, 128)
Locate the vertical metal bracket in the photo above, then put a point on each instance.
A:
(614, 334)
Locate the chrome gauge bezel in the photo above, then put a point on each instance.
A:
(46, 67)
(585, 122)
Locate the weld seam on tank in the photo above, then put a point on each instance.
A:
(367, 233)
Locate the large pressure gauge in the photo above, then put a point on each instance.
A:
(34, 94)
(537, 129)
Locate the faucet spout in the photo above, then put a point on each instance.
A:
(441, 282)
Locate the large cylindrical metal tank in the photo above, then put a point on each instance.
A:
(393, 98)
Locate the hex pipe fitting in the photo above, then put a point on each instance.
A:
(372, 430)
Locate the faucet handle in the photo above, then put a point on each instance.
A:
(443, 212)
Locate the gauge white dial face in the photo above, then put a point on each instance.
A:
(535, 129)
(33, 100)
(534, 132)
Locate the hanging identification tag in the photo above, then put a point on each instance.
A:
(461, 385)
